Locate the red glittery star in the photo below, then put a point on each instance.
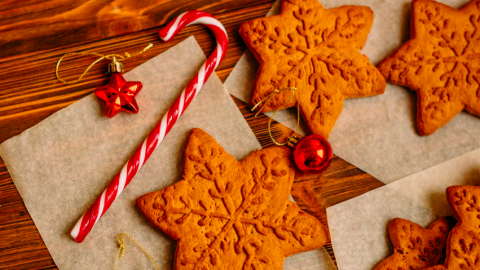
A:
(119, 95)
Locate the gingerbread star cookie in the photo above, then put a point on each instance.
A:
(415, 247)
(463, 249)
(232, 214)
(316, 51)
(441, 62)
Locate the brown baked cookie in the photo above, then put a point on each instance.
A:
(415, 247)
(315, 50)
(436, 267)
(232, 214)
(463, 248)
(441, 62)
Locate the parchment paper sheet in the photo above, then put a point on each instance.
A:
(62, 164)
(378, 134)
(358, 227)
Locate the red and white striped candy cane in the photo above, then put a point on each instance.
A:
(122, 179)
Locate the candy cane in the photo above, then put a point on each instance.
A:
(130, 169)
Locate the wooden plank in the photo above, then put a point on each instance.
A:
(33, 25)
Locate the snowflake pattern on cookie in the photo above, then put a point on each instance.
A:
(315, 50)
(463, 249)
(414, 247)
(441, 62)
(233, 214)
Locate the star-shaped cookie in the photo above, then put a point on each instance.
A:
(415, 247)
(441, 62)
(229, 214)
(119, 95)
(315, 50)
(463, 249)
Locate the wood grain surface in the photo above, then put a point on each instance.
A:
(34, 34)
(32, 25)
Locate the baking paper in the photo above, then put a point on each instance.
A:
(358, 227)
(378, 134)
(62, 164)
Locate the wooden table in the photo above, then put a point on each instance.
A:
(34, 34)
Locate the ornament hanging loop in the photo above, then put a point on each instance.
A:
(121, 249)
(115, 66)
(313, 153)
(292, 140)
(116, 59)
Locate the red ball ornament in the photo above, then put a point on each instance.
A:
(312, 154)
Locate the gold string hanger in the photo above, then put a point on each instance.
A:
(292, 139)
(116, 58)
(121, 249)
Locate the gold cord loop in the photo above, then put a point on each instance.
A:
(121, 249)
(118, 58)
(267, 99)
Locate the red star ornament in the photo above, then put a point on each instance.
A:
(119, 95)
